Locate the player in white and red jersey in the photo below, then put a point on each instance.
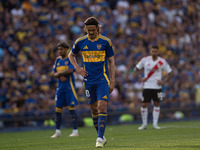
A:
(153, 80)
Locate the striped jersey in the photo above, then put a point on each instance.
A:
(149, 64)
(95, 54)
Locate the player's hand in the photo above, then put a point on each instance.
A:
(159, 82)
(56, 75)
(82, 71)
(145, 79)
(62, 78)
(111, 87)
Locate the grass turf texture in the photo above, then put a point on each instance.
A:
(180, 135)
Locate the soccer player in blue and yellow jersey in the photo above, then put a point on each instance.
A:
(66, 92)
(98, 56)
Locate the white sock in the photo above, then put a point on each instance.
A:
(58, 131)
(75, 131)
(156, 112)
(144, 114)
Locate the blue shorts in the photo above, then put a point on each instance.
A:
(95, 92)
(64, 99)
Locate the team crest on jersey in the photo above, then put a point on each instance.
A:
(58, 64)
(98, 46)
(66, 62)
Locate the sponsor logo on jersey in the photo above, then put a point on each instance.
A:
(85, 47)
(93, 56)
(61, 68)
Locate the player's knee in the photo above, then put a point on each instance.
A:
(94, 111)
(144, 105)
(156, 104)
(102, 108)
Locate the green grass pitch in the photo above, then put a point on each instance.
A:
(180, 135)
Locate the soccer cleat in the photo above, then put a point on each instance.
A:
(73, 134)
(143, 127)
(104, 140)
(99, 143)
(56, 135)
(156, 127)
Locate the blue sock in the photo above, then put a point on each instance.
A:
(74, 118)
(102, 124)
(58, 120)
(95, 121)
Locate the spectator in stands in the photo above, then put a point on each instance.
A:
(175, 23)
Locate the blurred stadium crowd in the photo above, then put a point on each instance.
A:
(30, 29)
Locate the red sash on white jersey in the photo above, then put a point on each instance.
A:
(156, 67)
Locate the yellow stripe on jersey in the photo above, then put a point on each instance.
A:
(79, 39)
(73, 89)
(104, 73)
(61, 68)
(107, 39)
(93, 56)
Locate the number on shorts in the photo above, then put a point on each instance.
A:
(56, 98)
(160, 96)
(87, 93)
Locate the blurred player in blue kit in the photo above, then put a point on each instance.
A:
(66, 92)
(98, 64)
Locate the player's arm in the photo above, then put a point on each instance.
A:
(135, 70)
(57, 75)
(54, 73)
(165, 79)
(80, 70)
(65, 73)
(111, 63)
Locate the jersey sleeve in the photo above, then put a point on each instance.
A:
(109, 49)
(167, 67)
(75, 48)
(54, 66)
(140, 65)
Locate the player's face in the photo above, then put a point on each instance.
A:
(154, 52)
(62, 51)
(92, 31)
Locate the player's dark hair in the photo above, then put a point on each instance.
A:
(91, 21)
(63, 44)
(155, 46)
